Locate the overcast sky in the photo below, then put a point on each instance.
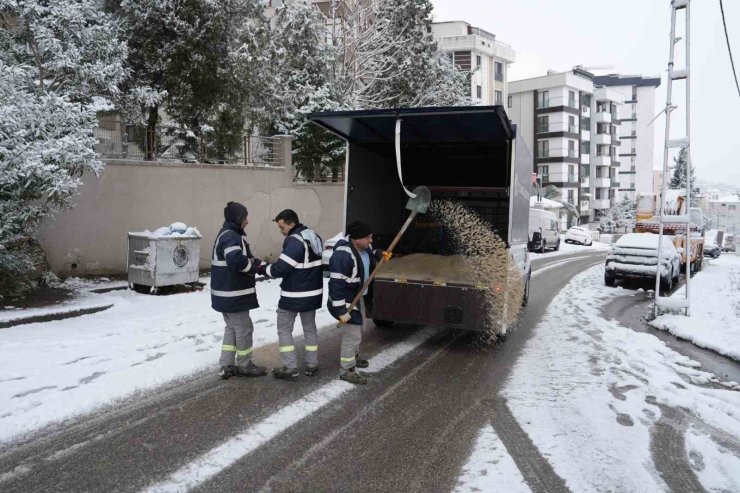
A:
(632, 36)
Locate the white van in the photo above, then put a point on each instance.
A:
(543, 230)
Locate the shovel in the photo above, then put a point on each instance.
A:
(419, 203)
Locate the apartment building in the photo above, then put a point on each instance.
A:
(635, 154)
(724, 212)
(571, 127)
(478, 51)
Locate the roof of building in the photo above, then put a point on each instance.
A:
(625, 80)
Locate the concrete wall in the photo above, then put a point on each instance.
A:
(134, 196)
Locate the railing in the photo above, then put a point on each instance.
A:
(572, 178)
(499, 76)
(173, 144)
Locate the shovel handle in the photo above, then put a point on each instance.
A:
(377, 267)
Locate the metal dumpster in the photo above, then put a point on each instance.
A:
(157, 261)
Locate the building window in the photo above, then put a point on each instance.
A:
(543, 124)
(543, 99)
(498, 97)
(572, 125)
(602, 150)
(571, 197)
(572, 99)
(545, 173)
(585, 147)
(572, 149)
(499, 71)
(508, 101)
(478, 61)
(543, 148)
(479, 92)
(571, 173)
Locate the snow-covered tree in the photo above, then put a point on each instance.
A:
(386, 57)
(302, 68)
(678, 179)
(620, 218)
(204, 62)
(60, 62)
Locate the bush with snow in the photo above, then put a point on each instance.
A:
(58, 63)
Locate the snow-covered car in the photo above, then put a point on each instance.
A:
(580, 235)
(711, 249)
(328, 250)
(635, 256)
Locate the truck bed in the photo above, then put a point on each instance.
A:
(429, 268)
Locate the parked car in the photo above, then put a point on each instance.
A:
(328, 250)
(635, 256)
(712, 250)
(580, 235)
(729, 243)
(544, 232)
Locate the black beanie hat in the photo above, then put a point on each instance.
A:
(359, 229)
(235, 213)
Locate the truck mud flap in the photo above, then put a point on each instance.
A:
(429, 304)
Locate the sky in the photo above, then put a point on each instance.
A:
(632, 36)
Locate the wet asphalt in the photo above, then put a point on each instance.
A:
(410, 429)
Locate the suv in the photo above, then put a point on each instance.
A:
(635, 256)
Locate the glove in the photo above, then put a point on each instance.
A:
(345, 318)
(387, 256)
(262, 269)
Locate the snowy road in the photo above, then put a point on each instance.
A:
(433, 417)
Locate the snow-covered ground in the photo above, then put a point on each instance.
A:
(589, 392)
(55, 370)
(715, 308)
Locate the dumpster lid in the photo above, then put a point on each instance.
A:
(471, 124)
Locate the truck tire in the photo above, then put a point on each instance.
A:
(383, 324)
(557, 245)
(609, 279)
(666, 283)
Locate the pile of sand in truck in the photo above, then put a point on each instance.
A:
(481, 259)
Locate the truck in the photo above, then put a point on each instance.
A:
(468, 155)
(674, 225)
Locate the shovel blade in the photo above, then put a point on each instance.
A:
(420, 203)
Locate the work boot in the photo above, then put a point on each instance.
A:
(353, 376)
(226, 372)
(361, 363)
(251, 370)
(311, 370)
(285, 373)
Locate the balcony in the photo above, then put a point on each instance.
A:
(585, 182)
(585, 135)
(584, 205)
(602, 117)
(572, 179)
(602, 161)
(615, 183)
(601, 204)
(601, 182)
(585, 111)
(585, 159)
(499, 76)
(602, 139)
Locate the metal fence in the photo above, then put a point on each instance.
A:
(174, 144)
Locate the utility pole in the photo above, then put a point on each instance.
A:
(680, 143)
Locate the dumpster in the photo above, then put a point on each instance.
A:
(168, 256)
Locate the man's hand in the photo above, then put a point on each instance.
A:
(345, 318)
(387, 256)
(262, 269)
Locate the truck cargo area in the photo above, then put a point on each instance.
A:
(460, 154)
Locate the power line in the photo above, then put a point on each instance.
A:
(729, 50)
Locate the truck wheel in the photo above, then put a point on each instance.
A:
(666, 284)
(383, 324)
(557, 245)
(609, 279)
